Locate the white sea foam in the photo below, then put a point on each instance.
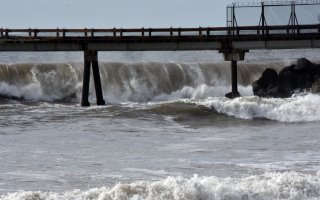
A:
(202, 91)
(29, 92)
(286, 185)
(304, 108)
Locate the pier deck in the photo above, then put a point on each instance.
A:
(161, 39)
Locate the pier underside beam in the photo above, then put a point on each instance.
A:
(234, 57)
(91, 58)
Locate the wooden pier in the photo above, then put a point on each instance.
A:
(232, 42)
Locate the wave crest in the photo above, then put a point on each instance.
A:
(123, 82)
(304, 108)
(45, 82)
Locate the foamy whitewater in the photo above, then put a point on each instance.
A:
(289, 185)
(167, 131)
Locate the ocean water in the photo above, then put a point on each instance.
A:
(167, 131)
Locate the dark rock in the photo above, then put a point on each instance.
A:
(269, 76)
(305, 66)
(286, 70)
(265, 83)
(291, 79)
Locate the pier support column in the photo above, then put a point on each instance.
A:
(234, 56)
(97, 81)
(86, 81)
(234, 81)
(91, 58)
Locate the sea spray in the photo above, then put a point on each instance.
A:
(123, 82)
(45, 82)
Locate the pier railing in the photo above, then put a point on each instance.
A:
(31, 34)
(274, 3)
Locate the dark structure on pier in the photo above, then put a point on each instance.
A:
(233, 40)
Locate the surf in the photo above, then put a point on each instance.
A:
(201, 84)
(270, 185)
(123, 82)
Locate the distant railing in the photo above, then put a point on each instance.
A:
(254, 3)
(157, 32)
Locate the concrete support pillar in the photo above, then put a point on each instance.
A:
(234, 75)
(234, 81)
(86, 81)
(234, 56)
(91, 58)
(97, 83)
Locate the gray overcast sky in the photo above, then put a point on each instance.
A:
(112, 13)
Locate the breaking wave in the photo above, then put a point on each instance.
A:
(123, 82)
(286, 185)
(44, 82)
(199, 83)
(303, 108)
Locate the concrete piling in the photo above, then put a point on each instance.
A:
(97, 83)
(85, 84)
(234, 56)
(91, 58)
(234, 81)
